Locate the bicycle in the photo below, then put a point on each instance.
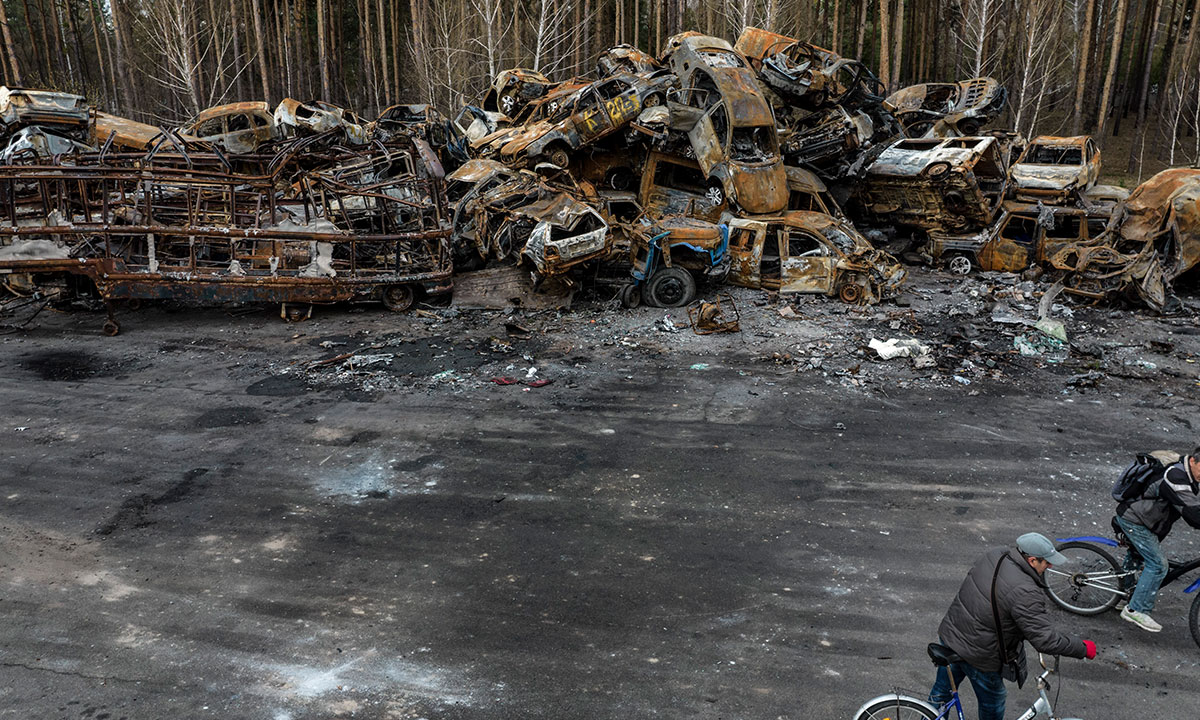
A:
(1094, 582)
(896, 706)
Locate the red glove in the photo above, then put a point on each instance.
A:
(1090, 647)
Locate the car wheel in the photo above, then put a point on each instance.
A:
(715, 194)
(631, 296)
(936, 170)
(851, 293)
(398, 298)
(559, 156)
(960, 265)
(652, 100)
(671, 287)
(507, 103)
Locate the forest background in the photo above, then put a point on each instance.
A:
(1125, 71)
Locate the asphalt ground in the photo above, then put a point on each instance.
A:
(188, 528)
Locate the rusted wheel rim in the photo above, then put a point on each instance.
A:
(398, 298)
(960, 265)
(851, 293)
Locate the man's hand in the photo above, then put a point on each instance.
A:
(1090, 647)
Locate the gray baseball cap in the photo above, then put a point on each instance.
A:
(1039, 546)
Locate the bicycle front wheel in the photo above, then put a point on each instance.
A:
(896, 707)
(1087, 585)
(1194, 619)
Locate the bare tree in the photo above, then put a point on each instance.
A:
(1110, 77)
(1037, 19)
(183, 46)
(551, 33)
(979, 20)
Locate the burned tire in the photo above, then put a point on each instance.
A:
(652, 100)
(936, 170)
(969, 127)
(398, 298)
(110, 328)
(619, 178)
(671, 287)
(559, 156)
(630, 296)
(960, 265)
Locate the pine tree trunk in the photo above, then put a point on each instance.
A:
(127, 101)
(322, 52)
(38, 62)
(10, 50)
(1081, 76)
(898, 55)
(235, 16)
(1110, 77)
(885, 44)
(1136, 149)
(863, 5)
(260, 44)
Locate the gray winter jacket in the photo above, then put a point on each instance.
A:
(969, 628)
(1165, 501)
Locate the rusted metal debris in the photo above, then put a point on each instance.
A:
(659, 178)
(709, 318)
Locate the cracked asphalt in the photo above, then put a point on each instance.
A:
(198, 519)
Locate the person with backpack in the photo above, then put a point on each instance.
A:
(1151, 502)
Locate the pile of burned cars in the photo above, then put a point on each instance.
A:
(765, 163)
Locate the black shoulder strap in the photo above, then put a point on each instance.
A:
(996, 613)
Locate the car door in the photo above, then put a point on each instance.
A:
(1012, 248)
(592, 120)
(621, 102)
(746, 239)
(806, 262)
(708, 137)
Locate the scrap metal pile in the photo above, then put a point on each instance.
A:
(713, 163)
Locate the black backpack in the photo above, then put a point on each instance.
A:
(1137, 478)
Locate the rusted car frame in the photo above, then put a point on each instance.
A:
(370, 230)
(1155, 238)
(729, 123)
(1056, 169)
(237, 127)
(25, 107)
(673, 185)
(954, 185)
(595, 112)
(937, 110)
(806, 252)
(293, 118)
(1022, 235)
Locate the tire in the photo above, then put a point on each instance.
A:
(652, 100)
(1194, 619)
(559, 156)
(671, 287)
(936, 170)
(1089, 585)
(631, 296)
(896, 707)
(398, 298)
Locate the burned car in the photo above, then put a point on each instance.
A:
(595, 112)
(728, 123)
(947, 109)
(22, 107)
(806, 252)
(425, 122)
(293, 118)
(236, 128)
(125, 134)
(513, 88)
(1056, 169)
(807, 192)
(30, 143)
(828, 108)
(1155, 238)
(673, 185)
(956, 184)
(624, 58)
(1023, 235)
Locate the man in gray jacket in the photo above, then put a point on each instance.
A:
(1013, 576)
(1147, 521)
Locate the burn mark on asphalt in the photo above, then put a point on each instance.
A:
(136, 510)
(229, 417)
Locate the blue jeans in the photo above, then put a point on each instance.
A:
(1146, 542)
(988, 687)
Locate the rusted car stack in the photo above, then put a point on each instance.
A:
(713, 163)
